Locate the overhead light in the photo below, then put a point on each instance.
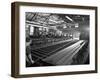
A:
(69, 18)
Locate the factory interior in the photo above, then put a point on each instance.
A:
(54, 39)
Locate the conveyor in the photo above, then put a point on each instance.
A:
(64, 56)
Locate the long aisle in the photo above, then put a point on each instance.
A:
(65, 56)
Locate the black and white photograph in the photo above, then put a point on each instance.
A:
(54, 39)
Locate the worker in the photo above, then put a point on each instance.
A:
(29, 59)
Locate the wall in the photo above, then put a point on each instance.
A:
(5, 40)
